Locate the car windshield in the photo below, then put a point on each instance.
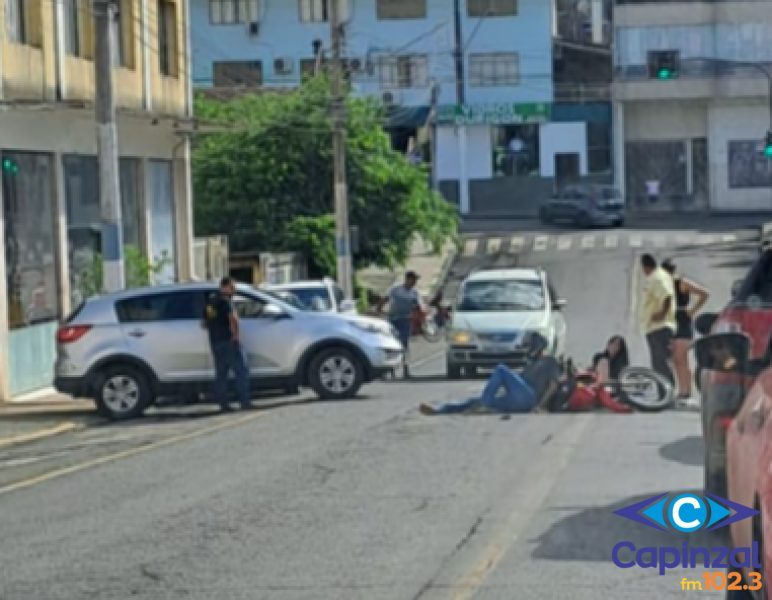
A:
(502, 295)
(315, 299)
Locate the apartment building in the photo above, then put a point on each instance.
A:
(49, 204)
(502, 141)
(692, 103)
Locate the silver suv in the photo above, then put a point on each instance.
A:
(130, 349)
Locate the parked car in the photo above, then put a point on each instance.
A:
(318, 296)
(748, 441)
(748, 312)
(585, 205)
(131, 349)
(495, 310)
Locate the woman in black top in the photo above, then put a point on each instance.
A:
(609, 363)
(685, 311)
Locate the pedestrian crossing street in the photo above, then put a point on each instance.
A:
(517, 243)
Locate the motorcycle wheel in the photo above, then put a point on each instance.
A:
(644, 389)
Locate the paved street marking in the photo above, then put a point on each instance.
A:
(636, 241)
(109, 458)
(470, 247)
(564, 242)
(729, 238)
(506, 533)
(493, 246)
(611, 241)
(39, 434)
(516, 244)
(588, 241)
(540, 243)
(707, 240)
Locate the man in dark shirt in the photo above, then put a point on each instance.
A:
(222, 323)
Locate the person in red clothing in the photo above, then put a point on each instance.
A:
(595, 388)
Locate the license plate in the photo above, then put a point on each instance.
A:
(498, 348)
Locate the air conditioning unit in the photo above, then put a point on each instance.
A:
(356, 65)
(390, 98)
(283, 66)
(253, 28)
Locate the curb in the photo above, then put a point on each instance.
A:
(40, 434)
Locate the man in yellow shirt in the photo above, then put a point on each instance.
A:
(658, 314)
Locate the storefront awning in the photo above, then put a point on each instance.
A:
(407, 117)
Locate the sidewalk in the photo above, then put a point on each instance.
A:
(432, 269)
(45, 416)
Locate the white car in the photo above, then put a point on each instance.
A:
(316, 296)
(495, 311)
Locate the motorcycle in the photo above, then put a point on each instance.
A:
(430, 323)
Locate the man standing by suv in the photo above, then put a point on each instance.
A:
(403, 300)
(658, 315)
(222, 323)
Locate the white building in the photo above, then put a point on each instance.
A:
(699, 134)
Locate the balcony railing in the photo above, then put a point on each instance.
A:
(698, 68)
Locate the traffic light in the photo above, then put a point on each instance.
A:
(10, 166)
(663, 64)
(768, 145)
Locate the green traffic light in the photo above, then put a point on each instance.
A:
(768, 151)
(664, 74)
(10, 166)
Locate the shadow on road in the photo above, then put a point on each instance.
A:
(589, 534)
(687, 451)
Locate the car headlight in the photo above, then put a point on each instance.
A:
(460, 337)
(375, 328)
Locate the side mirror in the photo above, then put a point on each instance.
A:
(347, 306)
(736, 287)
(723, 352)
(559, 304)
(271, 311)
(704, 323)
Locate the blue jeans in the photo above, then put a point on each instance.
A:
(403, 327)
(518, 396)
(228, 356)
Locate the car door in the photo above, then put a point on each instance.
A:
(557, 319)
(558, 207)
(269, 341)
(164, 330)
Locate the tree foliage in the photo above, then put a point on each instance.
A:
(268, 182)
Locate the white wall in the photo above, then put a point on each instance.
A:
(562, 138)
(735, 122)
(479, 153)
(665, 120)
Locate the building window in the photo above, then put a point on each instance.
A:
(131, 202)
(231, 12)
(167, 38)
(84, 228)
(401, 9)
(748, 166)
(491, 8)
(403, 71)
(314, 11)
(494, 69)
(30, 239)
(598, 147)
(123, 35)
(23, 20)
(516, 150)
(78, 28)
(238, 73)
(162, 221)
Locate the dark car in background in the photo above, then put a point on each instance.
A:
(585, 205)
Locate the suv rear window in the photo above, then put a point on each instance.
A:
(168, 306)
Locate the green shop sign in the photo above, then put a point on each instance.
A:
(493, 114)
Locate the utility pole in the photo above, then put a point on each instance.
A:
(342, 233)
(458, 58)
(107, 146)
(458, 53)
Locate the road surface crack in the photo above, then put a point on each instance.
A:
(146, 572)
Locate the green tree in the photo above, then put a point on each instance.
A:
(268, 183)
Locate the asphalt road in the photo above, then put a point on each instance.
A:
(369, 499)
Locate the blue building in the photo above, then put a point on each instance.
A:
(497, 141)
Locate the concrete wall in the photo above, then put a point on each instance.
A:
(560, 138)
(479, 152)
(665, 120)
(282, 35)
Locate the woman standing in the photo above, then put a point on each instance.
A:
(685, 312)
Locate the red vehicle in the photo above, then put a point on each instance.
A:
(750, 313)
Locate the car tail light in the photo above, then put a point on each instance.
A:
(71, 333)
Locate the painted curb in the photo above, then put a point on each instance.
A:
(40, 434)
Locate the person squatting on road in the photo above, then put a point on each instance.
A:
(684, 333)
(222, 323)
(403, 300)
(658, 315)
(510, 392)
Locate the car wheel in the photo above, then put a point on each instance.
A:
(122, 392)
(335, 374)
(454, 371)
